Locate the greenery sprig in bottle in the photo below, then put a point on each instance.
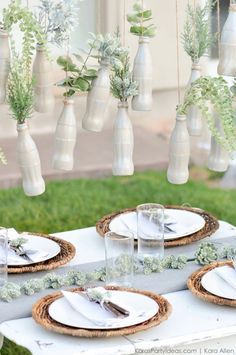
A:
(32, 31)
(216, 91)
(20, 93)
(139, 20)
(197, 36)
(122, 84)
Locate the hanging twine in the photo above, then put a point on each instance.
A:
(194, 30)
(177, 49)
(218, 26)
(67, 55)
(124, 22)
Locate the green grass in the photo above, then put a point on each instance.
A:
(76, 204)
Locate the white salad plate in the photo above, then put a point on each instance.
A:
(182, 222)
(91, 315)
(216, 285)
(46, 249)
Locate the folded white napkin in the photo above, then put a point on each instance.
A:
(12, 258)
(128, 221)
(95, 313)
(228, 274)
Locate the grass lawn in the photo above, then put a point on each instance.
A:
(76, 204)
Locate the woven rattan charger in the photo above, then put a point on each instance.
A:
(67, 253)
(41, 316)
(195, 285)
(211, 225)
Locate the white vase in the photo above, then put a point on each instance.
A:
(194, 116)
(29, 162)
(4, 64)
(98, 99)
(219, 157)
(65, 138)
(43, 74)
(179, 152)
(142, 73)
(227, 63)
(123, 142)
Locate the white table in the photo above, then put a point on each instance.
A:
(193, 327)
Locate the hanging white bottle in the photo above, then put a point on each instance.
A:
(219, 157)
(142, 74)
(194, 117)
(179, 152)
(123, 142)
(227, 63)
(65, 138)
(4, 63)
(29, 162)
(43, 74)
(98, 99)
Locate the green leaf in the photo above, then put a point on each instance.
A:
(78, 57)
(81, 84)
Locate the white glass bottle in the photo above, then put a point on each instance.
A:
(29, 162)
(123, 142)
(219, 157)
(65, 138)
(4, 63)
(179, 152)
(98, 99)
(43, 74)
(227, 63)
(194, 117)
(142, 73)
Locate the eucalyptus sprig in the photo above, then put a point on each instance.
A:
(197, 37)
(20, 90)
(216, 91)
(32, 32)
(139, 19)
(122, 84)
(106, 46)
(78, 78)
(58, 19)
(233, 88)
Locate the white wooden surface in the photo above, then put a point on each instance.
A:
(193, 326)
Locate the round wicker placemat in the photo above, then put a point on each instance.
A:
(195, 285)
(211, 225)
(66, 254)
(41, 316)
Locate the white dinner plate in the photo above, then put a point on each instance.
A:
(50, 247)
(184, 223)
(62, 312)
(214, 284)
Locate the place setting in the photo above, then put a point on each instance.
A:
(32, 252)
(182, 225)
(215, 283)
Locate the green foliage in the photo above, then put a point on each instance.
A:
(197, 37)
(78, 79)
(216, 91)
(122, 84)
(20, 93)
(32, 32)
(139, 19)
(106, 46)
(233, 88)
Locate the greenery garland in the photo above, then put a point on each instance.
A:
(213, 90)
(205, 254)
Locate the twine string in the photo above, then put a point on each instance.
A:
(218, 26)
(177, 49)
(67, 55)
(124, 22)
(194, 31)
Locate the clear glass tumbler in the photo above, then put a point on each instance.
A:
(119, 251)
(3, 256)
(150, 229)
